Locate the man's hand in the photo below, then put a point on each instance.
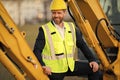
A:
(94, 65)
(47, 70)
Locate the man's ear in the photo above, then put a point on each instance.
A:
(65, 11)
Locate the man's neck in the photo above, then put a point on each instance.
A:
(60, 24)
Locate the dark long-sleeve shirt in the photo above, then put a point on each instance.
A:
(80, 43)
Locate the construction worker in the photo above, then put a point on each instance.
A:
(55, 47)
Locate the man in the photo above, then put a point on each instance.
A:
(55, 47)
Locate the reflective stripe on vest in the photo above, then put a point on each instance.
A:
(50, 43)
(53, 56)
(56, 57)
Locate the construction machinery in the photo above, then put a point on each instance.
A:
(99, 34)
(97, 29)
(15, 54)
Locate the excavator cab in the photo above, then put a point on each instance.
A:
(112, 10)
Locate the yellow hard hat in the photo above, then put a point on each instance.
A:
(58, 5)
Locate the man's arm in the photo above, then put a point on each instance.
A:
(86, 51)
(83, 46)
(39, 45)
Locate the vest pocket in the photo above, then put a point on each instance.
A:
(59, 47)
(59, 54)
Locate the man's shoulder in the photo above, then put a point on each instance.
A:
(68, 22)
(46, 23)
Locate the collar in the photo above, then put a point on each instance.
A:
(57, 25)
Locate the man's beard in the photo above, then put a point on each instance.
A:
(58, 22)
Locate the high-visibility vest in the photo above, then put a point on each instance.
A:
(58, 52)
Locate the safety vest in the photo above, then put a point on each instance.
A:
(58, 53)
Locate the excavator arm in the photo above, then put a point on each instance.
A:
(99, 34)
(15, 53)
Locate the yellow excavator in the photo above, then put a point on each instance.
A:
(15, 53)
(99, 34)
(97, 29)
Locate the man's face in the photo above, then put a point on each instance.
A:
(58, 16)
